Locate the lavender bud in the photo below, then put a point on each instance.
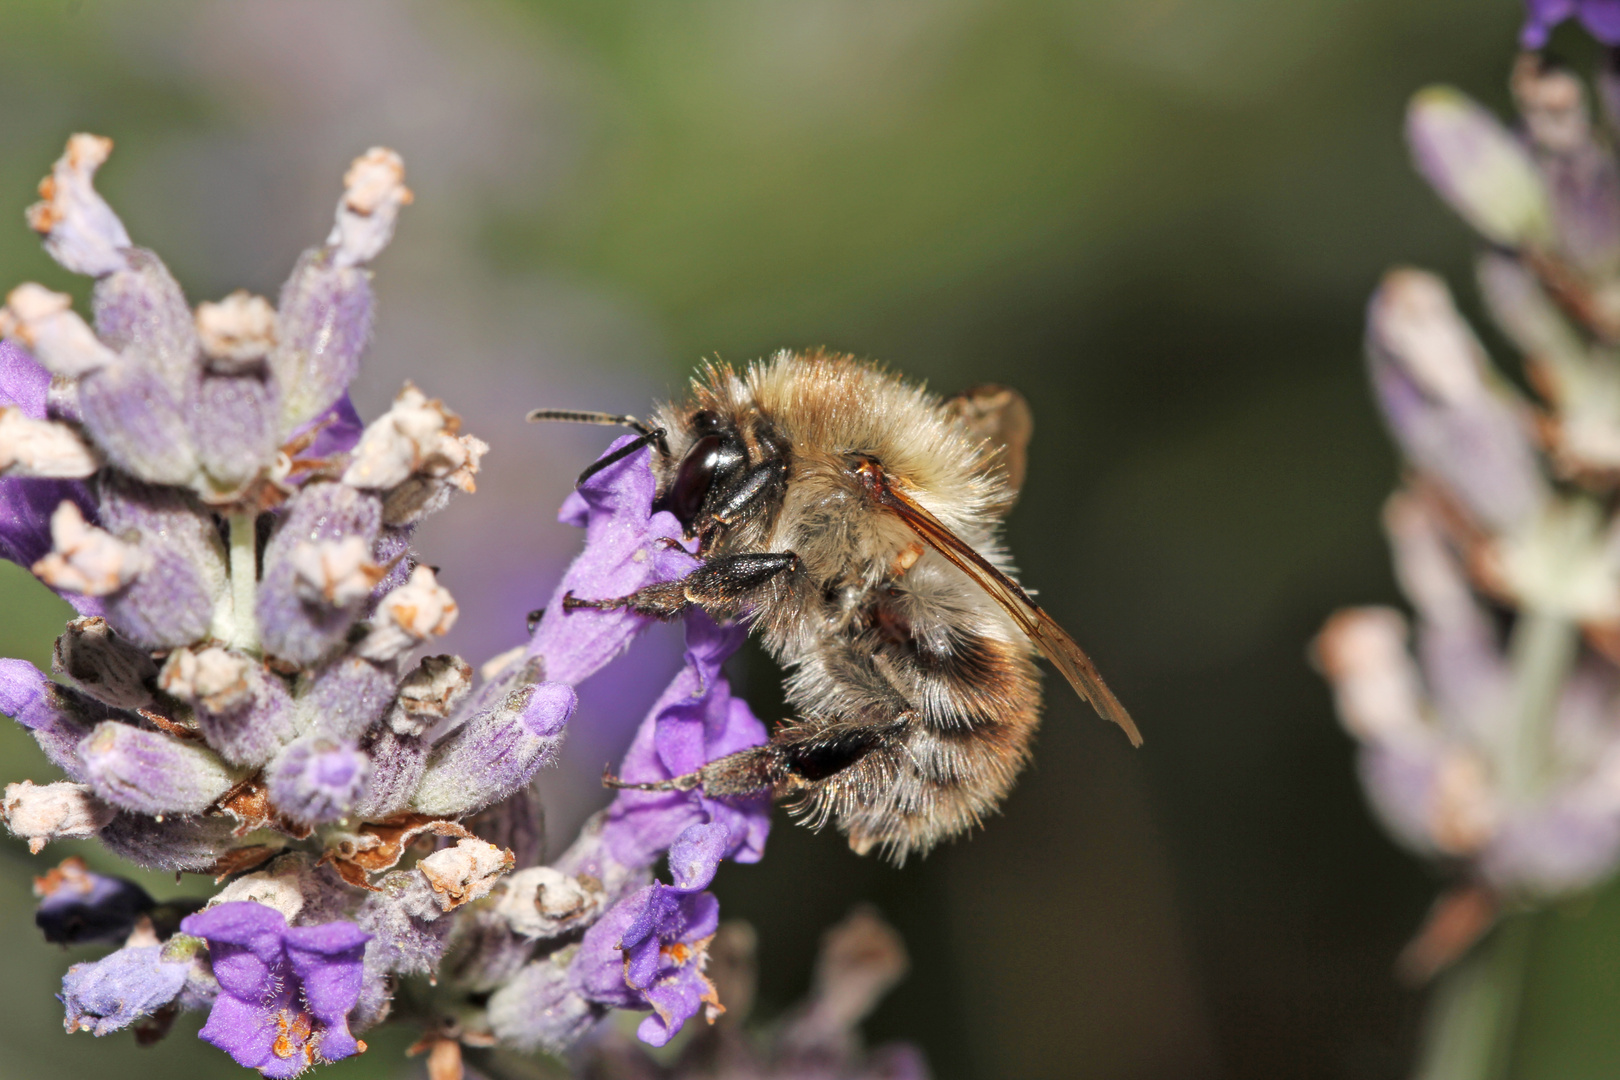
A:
(417, 610)
(237, 333)
(373, 192)
(59, 811)
(172, 602)
(243, 711)
(87, 560)
(150, 772)
(540, 1009)
(543, 902)
(1477, 166)
(280, 886)
(483, 953)
(315, 780)
(324, 323)
(175, 843)
(103, 664)
(336, 573)
(464, 873)
(119, 989)
(413, 452)
(345, 698)
(142, 314)
(58, 716)
(1449, 415)
(137, 421)
(291, 625)
(497, 752)
(518, 822)
(1581, 175)
(42, 449)
(430, 693)
(81, 231)
(233, 423)
(45, 323)
(397, 764)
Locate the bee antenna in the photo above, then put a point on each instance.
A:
(656, 435)
(586, 416)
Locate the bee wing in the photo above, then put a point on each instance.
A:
(1054, 643)
(1000, 416)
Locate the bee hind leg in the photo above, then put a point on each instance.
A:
(720, 586)
(742, 773)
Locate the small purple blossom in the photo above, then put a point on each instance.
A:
(649, 950)
(117, 990)
(285, 993)
(695, 721)
(1600, 17)
(627, 546)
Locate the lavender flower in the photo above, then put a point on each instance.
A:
(242, 696)
(285, 993)
(1489, 744)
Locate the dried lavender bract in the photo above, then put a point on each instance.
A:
(243, 695)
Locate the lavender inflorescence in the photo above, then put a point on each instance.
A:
(1491, 743)
(240, 695)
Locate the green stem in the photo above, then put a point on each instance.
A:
(244, 631)
(1543, 650)
(1473, 1016)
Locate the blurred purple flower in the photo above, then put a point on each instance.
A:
(285, 993)
(78, 906)
(1600, 17)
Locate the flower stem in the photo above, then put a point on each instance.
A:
(1543, 649)
(1473, 1016)
(244, 632)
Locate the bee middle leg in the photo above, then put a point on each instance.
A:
(721, 587)
(796, 758)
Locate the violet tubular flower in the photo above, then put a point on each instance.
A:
(285, 992)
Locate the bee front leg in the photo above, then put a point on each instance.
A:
(721, 587)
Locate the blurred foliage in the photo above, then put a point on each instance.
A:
(1160, 218)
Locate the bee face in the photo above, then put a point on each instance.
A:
(713, 463)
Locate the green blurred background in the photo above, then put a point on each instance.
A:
(1160, 218)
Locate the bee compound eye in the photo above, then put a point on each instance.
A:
(694, 478)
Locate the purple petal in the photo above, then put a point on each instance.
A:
(247, 1033)
(622, 554)
(328, 960)
(339, 430)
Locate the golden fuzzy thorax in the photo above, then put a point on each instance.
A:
(889, 648)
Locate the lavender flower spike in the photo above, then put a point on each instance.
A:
(285, 993)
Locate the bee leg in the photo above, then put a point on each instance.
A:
(721, 587)
(795, 759)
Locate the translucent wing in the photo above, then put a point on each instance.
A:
(1000, 416)
(1054, 644)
